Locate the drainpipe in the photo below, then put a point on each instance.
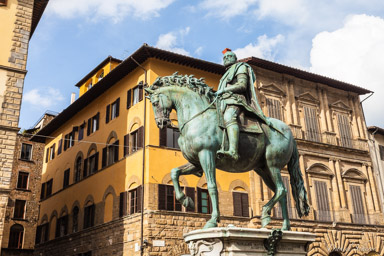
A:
(143, 164)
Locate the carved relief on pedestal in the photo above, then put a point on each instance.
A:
(204, 247)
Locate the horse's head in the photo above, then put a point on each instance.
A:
(162, 107)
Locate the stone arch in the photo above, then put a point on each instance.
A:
(63, 211)
(53, 214)
(44, 219)
(239, 183)
(92, 147)
(320, 169)
(76, 203)
(354, 174)
(167, 179)
(109, 190)
(133, 179)
(135, 120)
(112, 135)
(52, 225)
(77, 169)
(88, 199)
(202, 181)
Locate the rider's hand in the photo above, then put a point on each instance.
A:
(218, 93)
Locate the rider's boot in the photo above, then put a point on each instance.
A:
(233, 138)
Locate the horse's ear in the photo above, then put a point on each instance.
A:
(149, 91)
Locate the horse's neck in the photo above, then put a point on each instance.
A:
(187, 104)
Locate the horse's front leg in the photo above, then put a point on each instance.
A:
(186, 169)
(207, 162)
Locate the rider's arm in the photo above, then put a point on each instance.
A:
(240, 86)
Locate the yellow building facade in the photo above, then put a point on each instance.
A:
(106, 185)
(18, 19)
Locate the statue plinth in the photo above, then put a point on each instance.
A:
(234, 241)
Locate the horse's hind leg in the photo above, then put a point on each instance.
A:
(186, 169)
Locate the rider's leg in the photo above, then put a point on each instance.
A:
(230, 119)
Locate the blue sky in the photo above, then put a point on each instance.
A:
(342, 39)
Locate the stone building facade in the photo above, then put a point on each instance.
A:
(18, 19)
(107, 165)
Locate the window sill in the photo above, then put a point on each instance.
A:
(23, 189)
(26, 160)
(19, 219)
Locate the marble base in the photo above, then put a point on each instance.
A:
(234, 241)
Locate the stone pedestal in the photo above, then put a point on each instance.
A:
(233, 241)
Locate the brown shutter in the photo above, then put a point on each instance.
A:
(104, 157)
(141, 91)
(85, 170)
(191, 193)
(89, 124)
(107, 112)
(47, 155)
(163, 137)
(129, 98)
(42, 192)
(140, 137)
(344, 130)
(116, 151)
(126, 145)
(97, 120)
(53, 150)
(117, 107)
(138, 200)
(358, 206)
(237, 208)
(38, 235)
(199, 208)
(322, 201)
(162, 197)
(60, 145)
(311, 124)
(244, 205)
(96, 161)
(123, 203)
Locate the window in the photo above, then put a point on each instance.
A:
(93, 124)
(16, 237)
(130, 201)
(90, 85)
(78, 169)
(381, 149)
(204, 201)
(311, 124)
(112, 111)
(323, 210)
(135, 140)
(169, 137)
(274, 108)
(22, 180)
(81, 131)
(93, 163)
(62, 226)
(135, 95)
(19, 209)
(26, 152)
(3, 2)
(69, 140)
(344, 130)
(75, 219)
(59, 147)
(66, 178)
(101, 75)
(358, 205)
(167, 198)
(89, 216)
(52, 152)
(240, 204)
(42, 233)
(49, 187)
(110, 154)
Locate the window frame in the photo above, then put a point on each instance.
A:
(24, 174)
(19, 210)
(30, 153)
(89, 216)
(19, 237)
(241, 199)
(3, 2)
(67, 174)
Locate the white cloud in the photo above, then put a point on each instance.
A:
(265, 48)
(199, 51)
(227, 8)
(114, 9)
(172, 40)
(46, 98)
(287, 11)
(355, 54)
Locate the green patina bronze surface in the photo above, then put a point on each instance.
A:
(213, 137)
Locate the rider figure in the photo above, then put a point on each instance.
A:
(237, 92)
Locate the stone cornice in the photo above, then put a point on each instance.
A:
(9, 128)
(12, 69)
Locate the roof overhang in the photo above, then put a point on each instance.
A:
(38, 9)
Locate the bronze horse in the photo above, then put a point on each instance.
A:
(201, 137)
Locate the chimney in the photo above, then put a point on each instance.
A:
(73, 97)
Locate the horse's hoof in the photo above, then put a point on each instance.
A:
(210, 224)
(265, 221)
(188, 203)
(286, 227)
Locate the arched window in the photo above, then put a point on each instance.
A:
(16, 237)
(75, 219)
(78, 169)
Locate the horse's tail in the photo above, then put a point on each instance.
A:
(297, 183)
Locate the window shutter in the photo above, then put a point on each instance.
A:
(123, 203)
(47, 155)
(322, 201)
(141, 91)
(311, 124)
(237, 208)
(126, 145)
(140, 137)
(107, 112)
(104, 157)
(139, 194)
(58, 224)
(129, 100)
(116, 151)
(96, 161)
(358, 206)
(38, 235)
(85, 170)
(89, 124)
(59, 147)
(191, 193)
(42, 192)
(199, 208)
(97, 120)
(163, 137)
(53, 150)
(344, 130)
(117, 107)
(245, 204)
(3, 2)
(162, 197)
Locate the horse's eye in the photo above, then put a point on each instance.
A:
(155, 103)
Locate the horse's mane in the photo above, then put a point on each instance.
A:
(197, 85)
